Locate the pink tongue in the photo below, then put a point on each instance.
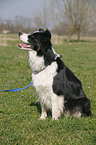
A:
(24, 45)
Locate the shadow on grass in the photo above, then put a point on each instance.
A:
(1, 112)
(38, 106)
(79, 41)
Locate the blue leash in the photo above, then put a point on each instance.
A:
(17, 89)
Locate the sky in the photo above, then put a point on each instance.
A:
(27, 8)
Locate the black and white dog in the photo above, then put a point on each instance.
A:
(58, 88)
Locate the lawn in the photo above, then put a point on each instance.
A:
(19, 111)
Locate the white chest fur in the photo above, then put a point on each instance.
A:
(36, 63)
(43, 83)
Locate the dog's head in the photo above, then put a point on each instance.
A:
(35, 40)
(41, 53)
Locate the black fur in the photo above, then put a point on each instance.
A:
(65, 82)
(41, 43)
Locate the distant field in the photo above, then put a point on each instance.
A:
(55, 38)
(18, 111)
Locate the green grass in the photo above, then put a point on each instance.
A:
(19, 115)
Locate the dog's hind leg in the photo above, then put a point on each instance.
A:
(44, 113)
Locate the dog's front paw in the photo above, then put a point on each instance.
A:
(43, 117)
(55, 118)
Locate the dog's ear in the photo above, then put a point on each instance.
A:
(47, 34)
(41, 29)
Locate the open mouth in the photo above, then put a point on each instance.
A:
(24, 46)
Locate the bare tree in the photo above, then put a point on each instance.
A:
(94, 12)
(76, 14)
(43, 18)
(18, 23)
(37, 20)
(22, 23)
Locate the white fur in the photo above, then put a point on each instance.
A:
(42, 78)
(24, 37)
(76, 114)
(56, 55)
(57, 106)
(36, 63)
(60, 104)
(43, 81)
(44, 112)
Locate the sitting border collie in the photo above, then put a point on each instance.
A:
(58, 88)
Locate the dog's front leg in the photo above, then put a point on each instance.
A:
(54, 107)
(44, 113)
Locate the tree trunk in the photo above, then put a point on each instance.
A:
(69, 37)
(78, 35)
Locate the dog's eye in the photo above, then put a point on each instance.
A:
(33, 36)
(30, 36)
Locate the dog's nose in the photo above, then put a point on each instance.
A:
(20, 33)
